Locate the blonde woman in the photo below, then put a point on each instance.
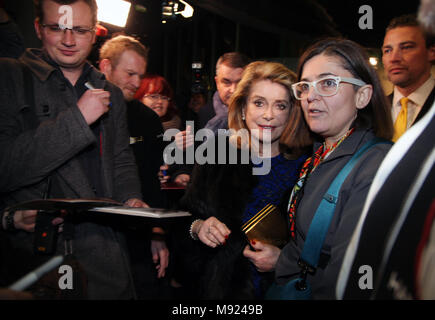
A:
(224, 196)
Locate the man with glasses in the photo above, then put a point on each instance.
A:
(61, 140)
(123, 60)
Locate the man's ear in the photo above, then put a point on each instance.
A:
(37, 28)
(105, 67)
(363, 96)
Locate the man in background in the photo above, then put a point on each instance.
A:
(229, 69)
(123, 60)
(407, 57)
(213, 115)
(392, 251)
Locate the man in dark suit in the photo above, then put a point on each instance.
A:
(213, 115)
(407, 57)
(391, 253)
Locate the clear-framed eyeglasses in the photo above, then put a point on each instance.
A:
(156, 97)
(325, 87)
(56, 29)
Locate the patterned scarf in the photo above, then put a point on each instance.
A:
(308, 167)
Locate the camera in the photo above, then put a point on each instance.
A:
(197, 78)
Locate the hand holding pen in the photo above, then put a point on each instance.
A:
(93, 103)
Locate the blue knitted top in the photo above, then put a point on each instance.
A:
(270, 190)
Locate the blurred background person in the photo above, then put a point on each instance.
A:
(229, 68)
(407, 55)
(156, 93)
(11, 40)
(197, 100)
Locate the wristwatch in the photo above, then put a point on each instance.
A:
(10, 224)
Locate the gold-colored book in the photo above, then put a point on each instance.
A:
(268, 226)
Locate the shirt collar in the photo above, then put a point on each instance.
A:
(417, 97)
(43, 66)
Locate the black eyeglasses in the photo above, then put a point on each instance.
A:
(59, 29)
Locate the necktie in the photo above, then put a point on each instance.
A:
(400, 124)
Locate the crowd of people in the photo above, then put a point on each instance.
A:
(349, 170)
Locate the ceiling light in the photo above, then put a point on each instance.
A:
(113, 11)
(373, 61)
(188, 10)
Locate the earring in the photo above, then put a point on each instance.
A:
(243, 115)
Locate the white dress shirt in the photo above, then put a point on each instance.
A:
(415, 102)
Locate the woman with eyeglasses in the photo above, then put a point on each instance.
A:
(345, 107)
(156, 93)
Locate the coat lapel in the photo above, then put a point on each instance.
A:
(428, 103)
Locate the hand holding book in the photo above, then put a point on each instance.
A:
(269, 225)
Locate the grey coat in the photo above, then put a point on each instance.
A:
(349, 207)
(29, 156)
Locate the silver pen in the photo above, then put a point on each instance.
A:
(91, 87)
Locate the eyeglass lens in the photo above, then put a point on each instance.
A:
(324, 87)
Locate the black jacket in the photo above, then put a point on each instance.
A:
(222, 191)
(146, 141)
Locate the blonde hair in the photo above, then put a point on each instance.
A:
(112, 49)
(296, 136)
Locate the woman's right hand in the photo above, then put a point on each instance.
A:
(211, 232)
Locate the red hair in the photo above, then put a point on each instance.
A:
(155, 84)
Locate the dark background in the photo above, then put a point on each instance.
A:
(274, 30)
